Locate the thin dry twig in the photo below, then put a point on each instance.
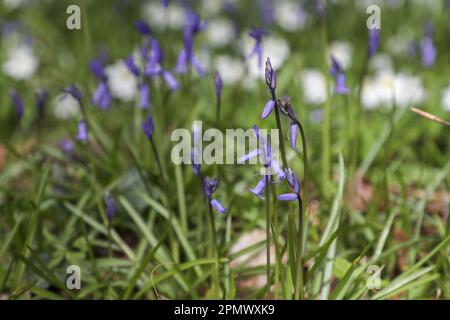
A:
(429, 116)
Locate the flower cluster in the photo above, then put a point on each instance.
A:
(209, 187)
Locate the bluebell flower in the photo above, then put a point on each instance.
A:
(271, 81)
(110, 205)
(339, 74)
(209, 187)
(82, 134)
(258, 35)
(142, 27)
(267, 158)
(165, 3)
(149, 127)
(267, 11)
(67, 147)
(193, 25)
(374, 41)
(74, 92)
(41, 99)
(292, 180)
(17, 103)
(427, 46)
(102, 96)
(154, 67)
(131, 65)
(144, 96)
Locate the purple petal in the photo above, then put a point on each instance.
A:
(248, 156)
(259, 187)
(276, 167)
(294, 133)
(268, 109)
(170, 80)
(144, 96)
(287, 197)
(181, 66)
(218, 206)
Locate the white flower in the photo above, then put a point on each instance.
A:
(342, 52)
(65, 106)
(160, 17)
(121, 82)
(13, 4)
(381, 62)
(231, 69)
(387, 88)
(446, 99)
(219, 32)
(314, 86)
(21, 63)
(290, 16)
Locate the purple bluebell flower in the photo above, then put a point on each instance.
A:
(292, 180)
(193, 25)
(129, 62)
(209, 187)
(67, 147)
(165, 3)
(144, 96)
(82, 134)
(170, 80)
(270, 76)
(73, 91)
(110, 205)
(149, 127)
(293, 134)
(154, 67)
(17, 103)
(268, 109)
(427, 46)
(320, 9)
(338, 72)
(267, 158)
(41, 99)
(258, 35)
(142, 27)
(102, 96)
(374, 41)
(196, 166)
(219, 84)
(267, 11)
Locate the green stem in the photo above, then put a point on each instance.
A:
(268, 233)
(325, 161)
(215, 270)
(299, 273)
(280, 136)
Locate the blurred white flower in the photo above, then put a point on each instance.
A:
(231, 69)
(220, 32)
(342, 52)
(290, 16)
(446, 99)
(13, 4)
(387, 88)
(65, 106)
(381, 62)
(121, 82)
(160, 17)
(314, 86)
(21, 62)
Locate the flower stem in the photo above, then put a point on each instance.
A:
(280, 131)
(299, 274)
(325, 161)
(215, 252)
(267, 196)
